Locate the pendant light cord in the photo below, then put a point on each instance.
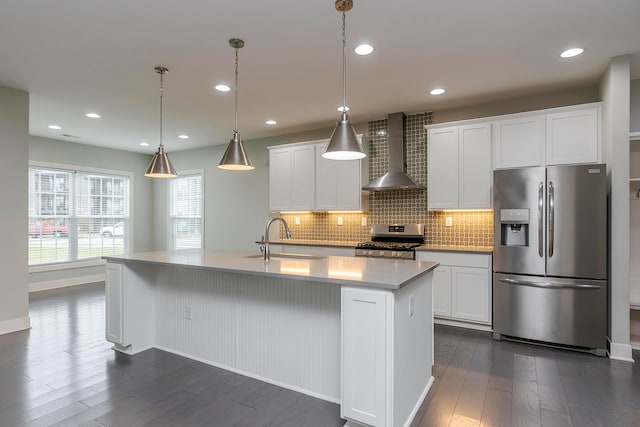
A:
(161, 93)
(235, 90)
(344, 63)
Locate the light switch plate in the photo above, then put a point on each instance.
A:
(297, 220)
(340, 222)
(364, 221)
(448, 221)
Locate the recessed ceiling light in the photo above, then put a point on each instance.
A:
(569, 53)
(223, 88)
(341, 109)
(56, 127)
(183, 136)
(93, 115)
(364, 49)
(271, 122)
(144, 144)
(437, 91)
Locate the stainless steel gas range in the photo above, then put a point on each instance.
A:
(392, 241)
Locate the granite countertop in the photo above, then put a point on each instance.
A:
(379, 273)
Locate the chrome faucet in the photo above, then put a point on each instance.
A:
(266, 252)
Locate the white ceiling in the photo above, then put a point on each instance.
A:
(76, 56)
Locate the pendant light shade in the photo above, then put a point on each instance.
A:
(160, 166)
(236, 158)
(344, 144)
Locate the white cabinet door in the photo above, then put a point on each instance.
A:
(442, 162)
(442, 291)
(114, 299)
(471, 294)
(518, 142)
(303, 167)
(338, 183)
(475, 173)
(364, 350)
(280, 179)
(573, 137)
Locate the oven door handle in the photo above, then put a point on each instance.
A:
(549, 285)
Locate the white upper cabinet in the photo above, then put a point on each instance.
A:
(574, 137)
(566, 135)
(475, 175)
(292, 178)
(459, 167)
(518, 142)
(300, 179)
(338, 182)
(442, 159)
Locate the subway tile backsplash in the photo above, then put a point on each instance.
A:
(468, 228)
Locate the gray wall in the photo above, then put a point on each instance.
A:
(142, 214)
(14, 130)
(516, 105)
(615, 89)
(635, 106)
(236, 202)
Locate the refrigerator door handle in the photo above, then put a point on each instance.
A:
(551, 218)
(548, 285)
(540, 219)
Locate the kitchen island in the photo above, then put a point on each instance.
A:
(355, 331)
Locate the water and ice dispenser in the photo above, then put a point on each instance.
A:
(514, 227)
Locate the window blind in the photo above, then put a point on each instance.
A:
(185, 211)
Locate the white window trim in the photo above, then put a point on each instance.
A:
(91, 261)
(168, 205)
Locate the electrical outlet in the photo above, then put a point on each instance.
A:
(297, 220)
(448, 221)
(410, 305)
(364, 221)
(187, 313)
(340, 221)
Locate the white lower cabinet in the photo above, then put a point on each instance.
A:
(364, 349)
(113, 301)
(128, 299)
(461, 286)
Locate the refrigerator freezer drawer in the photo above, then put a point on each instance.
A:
(560, 311)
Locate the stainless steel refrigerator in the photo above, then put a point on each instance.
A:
(550, 255)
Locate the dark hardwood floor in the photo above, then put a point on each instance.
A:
(62, 372)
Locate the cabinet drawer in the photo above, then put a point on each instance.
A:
(456, 259)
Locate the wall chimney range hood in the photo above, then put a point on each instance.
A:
(396, 178)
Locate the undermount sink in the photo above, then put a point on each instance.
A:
(304, 257)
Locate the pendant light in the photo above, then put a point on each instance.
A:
(344, 144)
(236, 158)
(160, 166)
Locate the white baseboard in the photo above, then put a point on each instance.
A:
(635, 341)
(419, 403)
(14, 325)
(63, 283)
(462, 324)
(620, 352)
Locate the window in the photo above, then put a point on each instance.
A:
(76, 215)
(185, 211)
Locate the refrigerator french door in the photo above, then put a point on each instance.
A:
(550, 253)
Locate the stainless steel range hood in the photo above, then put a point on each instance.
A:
(396, 178)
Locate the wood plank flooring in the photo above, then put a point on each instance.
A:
(62, 372)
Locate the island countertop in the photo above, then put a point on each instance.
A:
(352, 271)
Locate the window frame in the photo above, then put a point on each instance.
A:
(169, 237)
(66, 167)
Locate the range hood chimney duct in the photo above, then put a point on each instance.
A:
(396, 178)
